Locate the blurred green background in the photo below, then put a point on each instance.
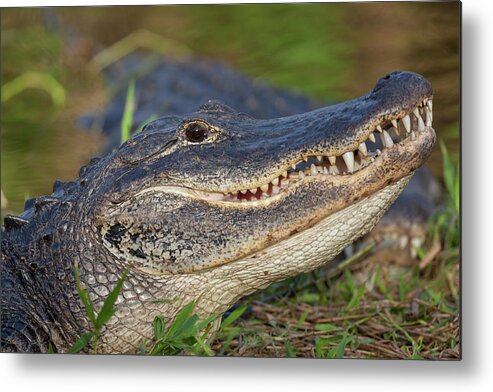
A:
(329, 52)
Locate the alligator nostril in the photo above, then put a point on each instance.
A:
(387, 76)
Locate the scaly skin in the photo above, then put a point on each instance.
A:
(173, 205)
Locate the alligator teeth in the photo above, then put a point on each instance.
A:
(387, 140)
(320, 165)
(421, 124)
(349, 159)
(362, 148)
(429, 117)
(407, 123)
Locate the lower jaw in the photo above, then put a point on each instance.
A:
(302, 252)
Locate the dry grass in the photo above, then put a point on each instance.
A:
(374, 310)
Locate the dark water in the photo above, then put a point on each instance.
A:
(329, 52)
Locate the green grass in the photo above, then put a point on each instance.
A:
(98, 320)
(127, 124)
(358, 310)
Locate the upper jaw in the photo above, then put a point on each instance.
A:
(402, 128)
(259, 158)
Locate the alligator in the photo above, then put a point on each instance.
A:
(169, 85)
(207, 207)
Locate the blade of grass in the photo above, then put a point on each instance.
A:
(84, 296)
(81, 343)
(108, 309)
(234, 315)
(128, 113)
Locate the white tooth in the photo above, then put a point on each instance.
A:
(349, 159)
(378, 152)
(421, 125)
(301, 174)
(275, 190)
(372, 137)
(326, 172)
(285, 174)
(244, 191)
(332, 160)
(275, 181)
(305, 159)
(387, 140)
(362, 148)
(429, 117)
(413, 136)
(264, 187)
(334, 170)
(416, 112)
(293, 166)
(403, 241)
(313, 170)
(394, 123)
(429, 103)
(319, 157)
(253, 190)
(379, 128)
(407, 123)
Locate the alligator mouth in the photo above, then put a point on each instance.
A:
(391, 132)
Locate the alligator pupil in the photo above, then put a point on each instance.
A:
(196, 132)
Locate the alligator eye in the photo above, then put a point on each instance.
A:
(196, 132)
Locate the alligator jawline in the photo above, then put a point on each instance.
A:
(275, 190)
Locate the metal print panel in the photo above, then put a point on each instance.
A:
(267, 180)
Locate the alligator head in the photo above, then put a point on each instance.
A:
(215, 205)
